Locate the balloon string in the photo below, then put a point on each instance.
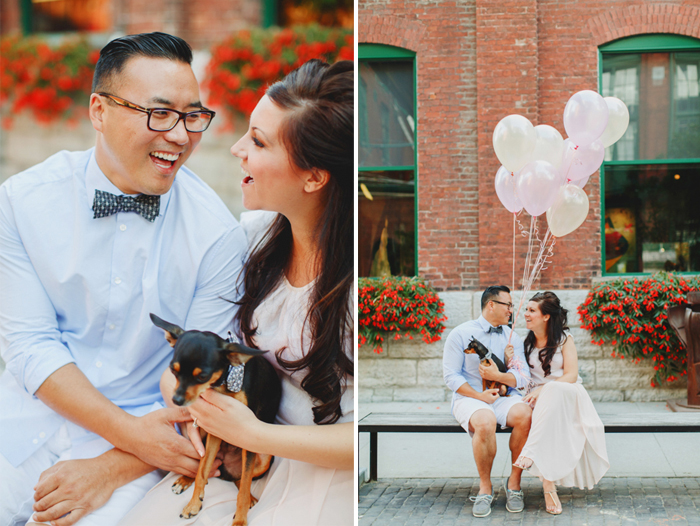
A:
(566, 174)
(526, 267)
(513, 287)
(544, 255)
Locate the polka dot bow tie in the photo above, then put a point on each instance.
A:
(106, 204)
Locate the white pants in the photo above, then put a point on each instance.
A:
(69, 443)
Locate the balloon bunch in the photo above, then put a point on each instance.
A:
(545, 174)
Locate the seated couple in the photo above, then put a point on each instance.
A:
(556, 432)
(93, 242)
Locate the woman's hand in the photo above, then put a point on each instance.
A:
(531, 398)
(509, 353)
(226, 418)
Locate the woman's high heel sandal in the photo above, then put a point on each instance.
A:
(556, 508)
(523, 463)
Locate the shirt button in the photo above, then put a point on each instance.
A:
(122, 227)
(98, 364)
(111, 327)
(42, 434)
(35, 441)
(117, 280)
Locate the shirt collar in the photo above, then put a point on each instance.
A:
(95, 179)
(485, 325)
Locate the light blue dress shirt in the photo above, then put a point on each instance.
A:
(460, 368)
(74, 289)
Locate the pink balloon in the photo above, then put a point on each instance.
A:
(585, 117)
(581, 161)
(537, 186)
(581, 182)
(505, 190)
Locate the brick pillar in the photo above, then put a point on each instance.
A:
(507, 70)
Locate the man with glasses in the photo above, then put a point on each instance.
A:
(90, 244)
(479, 411)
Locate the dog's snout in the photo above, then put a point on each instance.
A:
(178, 399)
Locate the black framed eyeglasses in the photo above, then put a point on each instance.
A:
(509, 305)
(165, 119)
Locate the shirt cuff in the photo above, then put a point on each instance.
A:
(32, 369)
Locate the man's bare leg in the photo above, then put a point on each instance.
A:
(519, 419)
(483, 424)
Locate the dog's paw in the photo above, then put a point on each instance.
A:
(182, 484)
(253, 501)
(193, 507)
(240, 522)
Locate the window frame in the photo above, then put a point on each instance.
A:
(387, 53)
(647, 43)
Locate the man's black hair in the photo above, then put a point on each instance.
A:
(492, 293)
(155, 45)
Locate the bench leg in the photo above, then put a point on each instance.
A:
(373, 455)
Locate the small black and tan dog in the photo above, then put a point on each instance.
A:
(203, 360)
(485, 355)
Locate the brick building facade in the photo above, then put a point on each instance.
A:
(476, 62)
(200, 23)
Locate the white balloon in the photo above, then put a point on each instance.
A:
(549, 145)
(618, 120)
(513, 141)
(568, 211)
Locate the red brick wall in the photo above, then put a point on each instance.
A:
(201, 23)
(443, 36)
(9, 17)
(519, 56)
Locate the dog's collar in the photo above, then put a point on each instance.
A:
(234, 379)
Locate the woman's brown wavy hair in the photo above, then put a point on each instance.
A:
(548, 303)
(318, 133)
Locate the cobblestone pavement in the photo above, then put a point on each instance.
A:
(445, 502)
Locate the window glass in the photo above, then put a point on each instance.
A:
(50, 16)
(652, 218)
(386, 118)
(662, 93)
(387, 174)
(386, 223)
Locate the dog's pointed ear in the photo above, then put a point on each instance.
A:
(172, 331)
(239, 354)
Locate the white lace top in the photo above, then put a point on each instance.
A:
(556, 366)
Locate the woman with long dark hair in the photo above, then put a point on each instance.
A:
(566, 444)
(296, 303)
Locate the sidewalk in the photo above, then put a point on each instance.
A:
(428, 478)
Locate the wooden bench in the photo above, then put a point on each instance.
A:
(375, 423)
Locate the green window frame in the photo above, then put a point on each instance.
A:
(388, 54)
(648, 43)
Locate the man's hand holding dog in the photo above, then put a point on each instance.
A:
(489, 372)
(153, 439)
